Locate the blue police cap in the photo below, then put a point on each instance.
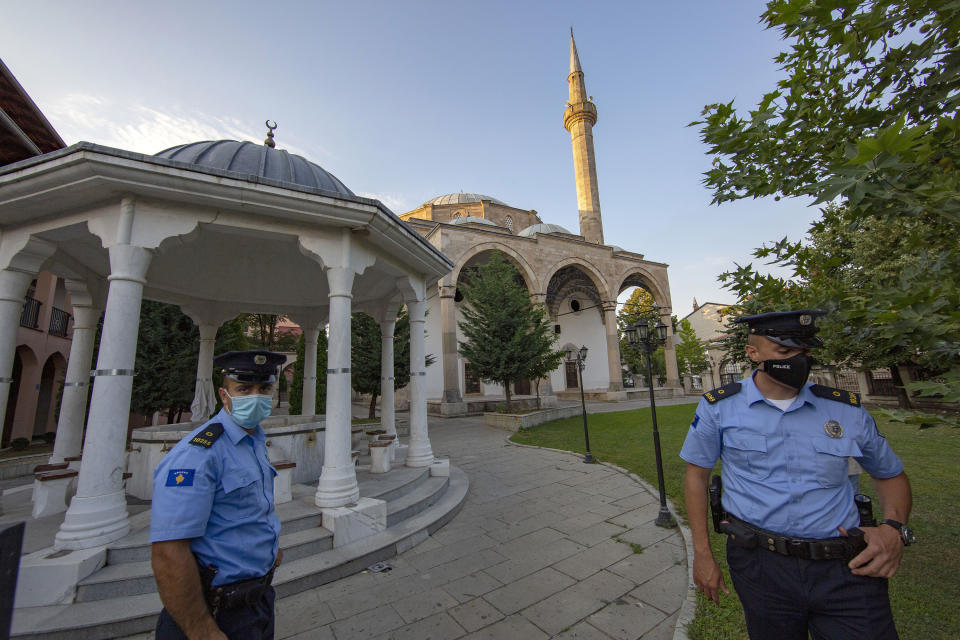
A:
(256, 365)
(795, 329)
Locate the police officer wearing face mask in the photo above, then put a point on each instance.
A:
(213, 526)
(799, 556)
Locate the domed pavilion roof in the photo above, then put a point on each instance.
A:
(534, 229)
(463, 198)
(257, 160)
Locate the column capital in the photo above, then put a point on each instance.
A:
(447, 290)
(129, 262)
(209, 313)
(340, 280)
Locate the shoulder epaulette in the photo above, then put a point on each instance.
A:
(839, 395)
(718, 394)
(207, 436)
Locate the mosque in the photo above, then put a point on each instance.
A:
(575, 275)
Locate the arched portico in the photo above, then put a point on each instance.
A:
(645, 279)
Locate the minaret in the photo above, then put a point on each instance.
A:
(578, 119)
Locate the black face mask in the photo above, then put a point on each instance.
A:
(792, 372)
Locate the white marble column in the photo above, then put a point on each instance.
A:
(13, 289)
(670, 358)
(98, 512)
(448, 342)
(419, 454)
(204, 402)
(338, 480)
(613, 347)
(73, 404)
(387, 401)
(310, 337)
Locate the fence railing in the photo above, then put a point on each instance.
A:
(30, 315)
(59, 322)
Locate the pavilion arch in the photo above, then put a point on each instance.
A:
(526, 272)
(644, 280)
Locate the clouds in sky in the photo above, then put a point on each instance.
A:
(136, 127)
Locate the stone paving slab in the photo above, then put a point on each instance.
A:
(544, 547)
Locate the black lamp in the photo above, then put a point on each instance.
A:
(640, 332)
(579, 356)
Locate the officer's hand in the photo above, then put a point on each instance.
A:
(708, 577)
(279, 558)
(881, 558)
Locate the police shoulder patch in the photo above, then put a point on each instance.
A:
(207, 436)
(837, 395)
(718, 394)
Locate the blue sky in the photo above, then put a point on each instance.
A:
(405, 101)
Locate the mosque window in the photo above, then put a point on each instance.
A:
(509, 222)
(457, 215)
(575, 305)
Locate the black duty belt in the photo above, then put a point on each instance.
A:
(243, 593)
(746, 535)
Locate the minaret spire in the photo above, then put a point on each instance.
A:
(578, 119)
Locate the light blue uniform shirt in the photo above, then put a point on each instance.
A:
(782, 471)
(221, 498)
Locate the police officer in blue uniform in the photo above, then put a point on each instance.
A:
(213, 528)
(799, 557)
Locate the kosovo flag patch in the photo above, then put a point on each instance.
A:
(180, 478)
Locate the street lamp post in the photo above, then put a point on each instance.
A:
(640, 332)
(580, 357)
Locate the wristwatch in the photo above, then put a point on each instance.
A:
(905, 533)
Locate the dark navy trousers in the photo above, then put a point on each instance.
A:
(783, 597)
(245, 623)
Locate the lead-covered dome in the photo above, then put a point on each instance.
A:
(258, 160)
(463, 198)
(534, 229)
(473, 220)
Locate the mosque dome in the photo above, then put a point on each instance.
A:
(463, 198)
(473, 220)
(534, 229)
(251, 159)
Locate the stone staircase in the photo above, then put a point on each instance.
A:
(120, 599)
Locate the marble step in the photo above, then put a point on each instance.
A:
(136, 614)
(413, 502)
(133, 578)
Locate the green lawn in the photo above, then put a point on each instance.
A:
(925, 591)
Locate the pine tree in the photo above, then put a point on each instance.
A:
(691, 353)
(507, 336)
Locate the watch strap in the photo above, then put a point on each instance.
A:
(893, 523)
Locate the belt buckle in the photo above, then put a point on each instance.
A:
(798, 548)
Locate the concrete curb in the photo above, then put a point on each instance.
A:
(688, 609)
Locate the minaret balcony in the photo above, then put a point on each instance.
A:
(579, 111)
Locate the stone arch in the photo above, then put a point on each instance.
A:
(588, 268)
(572, 277)
(526, 272)
(639, 277)
(53, 369)
(24, 359)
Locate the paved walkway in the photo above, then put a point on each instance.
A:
(545, 546)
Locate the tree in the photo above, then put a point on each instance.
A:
(866, 116)
(507, 335)
(168, 345)
(296, 384)
(640, 305)
(166, 361)
(691, 352)
(264, 331)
